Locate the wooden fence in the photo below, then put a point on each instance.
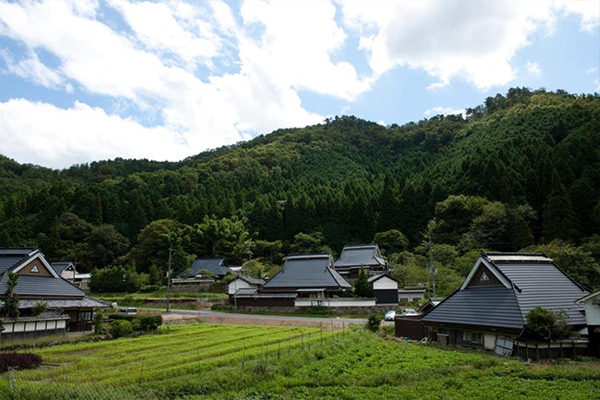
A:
(570, 348)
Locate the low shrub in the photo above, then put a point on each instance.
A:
(19, 361)
(149, 322)
(373, 322)
(120, 328)
(149, 288)
(123, 317)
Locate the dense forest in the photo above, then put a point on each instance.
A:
(520, 171)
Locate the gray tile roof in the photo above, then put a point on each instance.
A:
(45, 316)
(251, 280)
(307, 271)
(42, 286)
(357, 256)
(66, 303)
(533, 280)
(59, 267)
(379, 276)
(542, 284)
(487, 306)
(215, 265)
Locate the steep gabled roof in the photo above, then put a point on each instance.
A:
(10, 258)
(215, 265)
(42, 286)
(59, 267)
(360, 255)
(379, 276)
(525, 281)
(307, 271)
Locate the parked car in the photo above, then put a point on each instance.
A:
(390, 315)
(128, 310)
(409, 312)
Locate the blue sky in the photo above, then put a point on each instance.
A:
(86, 80)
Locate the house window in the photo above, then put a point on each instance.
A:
(484, 277)
(35, 269)
(443, 331)
(472, 337)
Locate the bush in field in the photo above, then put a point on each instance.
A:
(373, 322)
(117, 279)
(547, 325)
(19, 361)
(120, 328)
(150, 322)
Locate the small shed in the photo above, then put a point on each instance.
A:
(411, 294)
(243, 282)
(385, 289)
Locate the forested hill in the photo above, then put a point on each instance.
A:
(520, 169)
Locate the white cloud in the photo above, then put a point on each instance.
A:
(533, 68)
(452, 38)
(58, 137)
(444, 111)
(588, 10)
(32, 69)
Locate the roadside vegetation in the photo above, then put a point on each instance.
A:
(251, 362)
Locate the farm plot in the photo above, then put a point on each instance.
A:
(249, 362)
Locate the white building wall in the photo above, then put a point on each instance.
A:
(592, 312)
(306, 302)
(236, 284)
(385, 283)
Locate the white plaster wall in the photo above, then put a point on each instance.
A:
(385, 283)
(236, 284)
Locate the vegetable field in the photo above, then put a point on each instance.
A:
(251, 362)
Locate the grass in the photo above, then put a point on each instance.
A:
(248, 362)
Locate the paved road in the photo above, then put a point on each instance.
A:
(258, 319)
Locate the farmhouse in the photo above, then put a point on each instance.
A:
(385, 289)
(355, 258)
(411, 294)
(66, 270)
(489, 310)
(243, 282)
(591, 304)
(308, 275)
(203, 267)
(68, 308)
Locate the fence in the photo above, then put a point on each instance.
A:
(570, 348)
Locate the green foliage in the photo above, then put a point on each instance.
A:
(542, 324)
(10, 306)
(149, 322)
(117, 279)
(39, 307)
(362, 287)
(391, 241)
(373, 322)
(257, 269)
(309, 243)
(120, 328)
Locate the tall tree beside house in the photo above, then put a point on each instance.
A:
(10, 308)
(362, 288)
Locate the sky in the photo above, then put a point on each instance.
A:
(86, 80)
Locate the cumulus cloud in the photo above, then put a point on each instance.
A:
(32, 69)
(454, 38)
(86, 133)
(533, 68)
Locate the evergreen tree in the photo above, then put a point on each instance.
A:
(10, 308)
(362, 287)
(560, 221)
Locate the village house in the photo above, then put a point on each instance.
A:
(489, 310)
(353, 259)
(66, 270)
(385, 289)
(591, 304)
(68, 308)
(201, 275)
(244, 283)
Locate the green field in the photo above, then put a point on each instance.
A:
(251, 362)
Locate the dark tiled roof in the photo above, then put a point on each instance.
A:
(357, 256)
(542, 284)
(66, 303)
(45, 316)
(59, 267)
(42, 286)
(251, 280)
(533, 280)
(307, 271)
(377, 277)
(215, 265)
(487, 306)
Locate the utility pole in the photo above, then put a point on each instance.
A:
(432, 268)
(169, 279)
